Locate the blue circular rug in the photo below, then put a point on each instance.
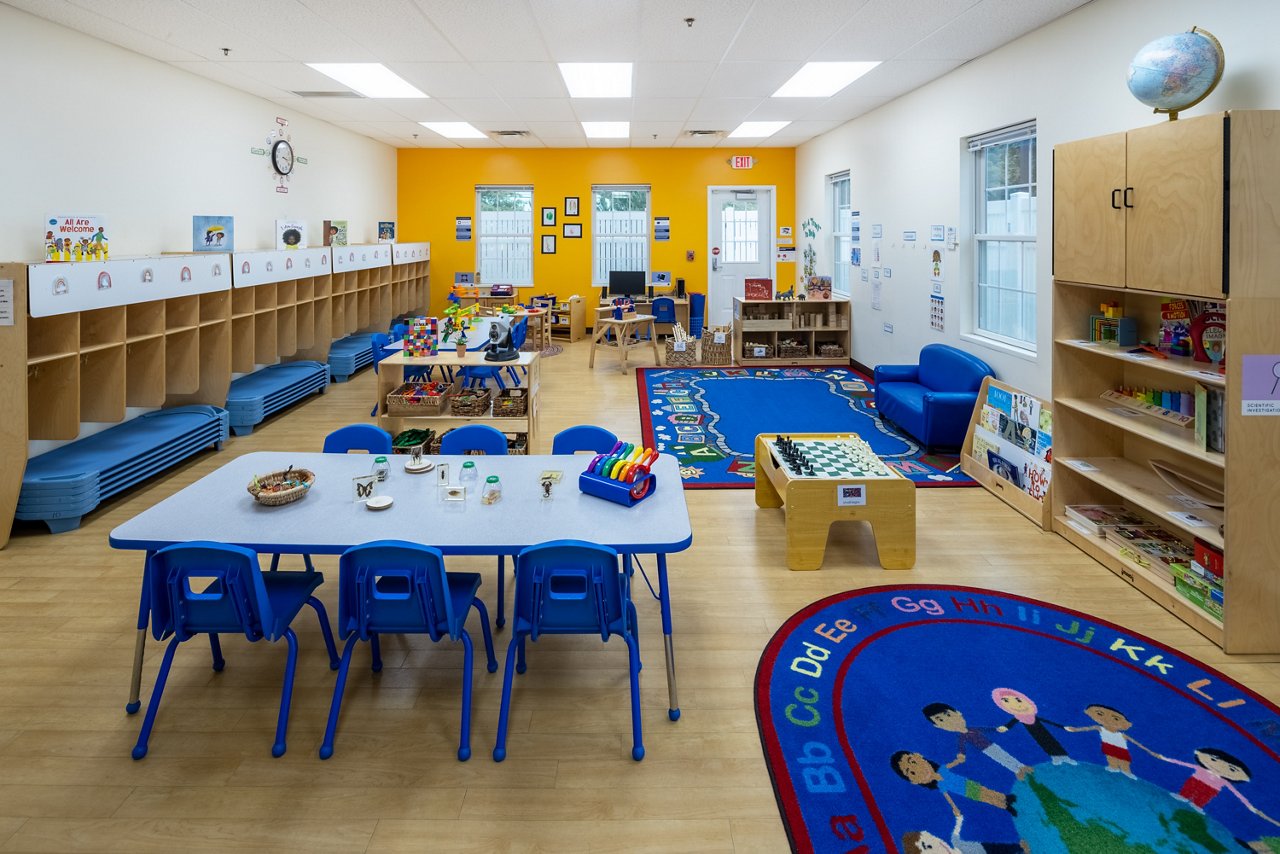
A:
(954, 719)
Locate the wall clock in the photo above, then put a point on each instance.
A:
(282, 156)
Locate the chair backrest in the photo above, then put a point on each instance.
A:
(379, 343)
(399, 330)
(519, 332)
(473, 437)
(584, 437)
(395, 587)
(664, 310)
(547, 301)
(697, 313)
(947, 368)
(208, 587)
(569, 587)
(358, 437)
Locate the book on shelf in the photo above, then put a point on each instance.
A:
(758, 289)
(213, 234)
(335, 232)
(1095, 519)
(386, 231)
(291, 234)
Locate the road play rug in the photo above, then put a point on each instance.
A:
(709, 417)
(954, 719)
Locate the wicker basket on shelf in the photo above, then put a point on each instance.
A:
(792, 349)
(470, 402)
(511, 403)
(281, 487)
(831, 351)
(410, 399)
(756, 350)
(407, 440)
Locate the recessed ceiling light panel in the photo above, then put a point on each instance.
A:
(454, 130)
(822, 79)
(606, 130)
(597, 79)
(757, 130)
(371, 79)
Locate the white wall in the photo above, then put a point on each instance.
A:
(92, 128)
(909, 169)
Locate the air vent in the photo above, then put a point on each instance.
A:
(704, 133)
(344, 94)
(509, 132)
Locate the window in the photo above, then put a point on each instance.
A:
(619, 230)
(504, 235)
(842, 234)
(1005, 234)
(740, 229)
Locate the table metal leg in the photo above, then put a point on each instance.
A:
(664, 596)
(140, 644)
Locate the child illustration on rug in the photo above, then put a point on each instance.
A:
(1112, 726)
(1024, 712)
(924, 842)
(949, 719)
(919, 771)
(1214, 771)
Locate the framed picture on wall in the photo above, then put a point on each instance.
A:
(570, 205)
(549, 217)
(572, 229)
(548, 244)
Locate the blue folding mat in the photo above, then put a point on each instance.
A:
(264, 392)
(348, 355)
(61, 486)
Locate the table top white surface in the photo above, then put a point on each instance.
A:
(328, 521)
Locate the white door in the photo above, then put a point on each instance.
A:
(740, 231)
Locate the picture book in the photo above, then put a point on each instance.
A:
(1003, 468)
(212, 234)
(386, 231)
(758, 289)
(75, 238)
(291, 234)
(1097, 518)
(818, 288)
(335, 232)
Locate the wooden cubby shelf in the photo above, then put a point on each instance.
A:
(808, 325)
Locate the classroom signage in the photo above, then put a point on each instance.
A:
(462, 227)
(742, 161)
(662, 228)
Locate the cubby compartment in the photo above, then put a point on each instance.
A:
(350, 314)
(242, 344)
(306, 325)
(305, 290)
(182, 313)
(242, 302)
(264, 298)
(214, 368)
(286, 294)
(362, 308)
(286, 330)
(52, 337)
(144, 371)
(103, 327)
(322, 286)
(144, 320)
(264, 338)
(182, 362)
(214, 307)
(53, 397)
(102, 383)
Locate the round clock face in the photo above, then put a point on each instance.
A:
(282, 157)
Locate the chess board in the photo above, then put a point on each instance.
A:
(829, 459)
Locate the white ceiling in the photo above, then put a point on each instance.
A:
(493, 62)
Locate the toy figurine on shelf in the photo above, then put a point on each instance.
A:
(787, 296)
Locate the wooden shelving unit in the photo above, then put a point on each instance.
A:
(569, 319)
(765, 323)
(1173, 232)
(274, 306)
(410, 278)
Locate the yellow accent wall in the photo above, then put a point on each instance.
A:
(437, 185)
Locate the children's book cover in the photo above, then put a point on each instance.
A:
(291, 234)
(758, 289)
(818, 288)
(386, 231)
(75, 238)
(335, 232)
(212, 234)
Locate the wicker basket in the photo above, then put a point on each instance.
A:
(717, 354)
(687, 356)
(281, 487)
(749, 349)
(511, 403)
(470, 402)
(407, 440)
(410, 399)
(831, 351)
(792, 350)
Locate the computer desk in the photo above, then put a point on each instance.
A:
(644, 305)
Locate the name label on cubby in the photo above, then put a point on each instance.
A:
(410, 253)
(251, 269)
(83, 286)
(366, 256)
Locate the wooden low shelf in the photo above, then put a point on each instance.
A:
(768, 323)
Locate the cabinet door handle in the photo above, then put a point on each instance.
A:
(1128, 197)
(1115, 198)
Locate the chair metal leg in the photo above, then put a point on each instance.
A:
(286, 694)
(331, 729)
(491, 662)
(140, 644)
(376, 647)
(521, 665)
(275, 562)
(464, 735)
(218, 661)
(637, 734)
(501, 619)
(323, 616)
(500, 745)
(140, 749)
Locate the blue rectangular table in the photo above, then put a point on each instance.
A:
(328, 521)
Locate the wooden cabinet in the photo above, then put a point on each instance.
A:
(1144, 209)
(569, 319)
(1102, 454)
(790, 332)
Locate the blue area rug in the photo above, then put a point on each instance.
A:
(919, 717)
(709, 417)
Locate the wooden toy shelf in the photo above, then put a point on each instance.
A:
(1184, 237)
(772, 323)
(569, 319)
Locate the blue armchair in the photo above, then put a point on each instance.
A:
(934, 400)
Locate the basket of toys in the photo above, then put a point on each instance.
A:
(281, 487)
(469, 402)
(407, 440)
(756, 350)
(789, 348)
(831, 351)
(682, 349)
(717, 348)
(511, 403)
(410, 399)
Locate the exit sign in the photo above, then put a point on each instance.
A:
(742, 161)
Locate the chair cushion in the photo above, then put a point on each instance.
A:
(903, 404)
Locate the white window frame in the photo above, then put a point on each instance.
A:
(511, 274)
(603, 237)
(1025, 242)
(841, 239)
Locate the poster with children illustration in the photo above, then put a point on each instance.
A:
(77, 237)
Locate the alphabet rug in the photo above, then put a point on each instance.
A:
(954, 719)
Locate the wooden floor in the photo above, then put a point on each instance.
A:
(67, 612)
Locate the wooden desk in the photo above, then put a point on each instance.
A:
(812, 503)
(645, 305)
(626, 336)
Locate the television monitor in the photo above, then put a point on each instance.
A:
(626, 283)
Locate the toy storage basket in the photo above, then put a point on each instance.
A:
(410, 399)
(687, 356)
(470, 402)
(511, 403)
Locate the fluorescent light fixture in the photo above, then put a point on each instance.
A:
(607, 130)
(822, 79)
(597, 79)
(757, 129)
(371, 79)
(454, 130)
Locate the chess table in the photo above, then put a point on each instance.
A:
(820, 478)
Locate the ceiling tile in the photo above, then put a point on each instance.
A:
(665, 36)
(725, 113)
(88, 21)
(505, 29)
(557, 130)
(288, 76)
(662, 109)
(749, 79)
(564, 142)
(523, 79)
(480, 109)
(790, 29)
(897, 78)
(287, 26)
(601, 109)
(882, 29)
(357, 109)
(446, 79)
(186, 27)
(987, 26)
(391, 30)
(589, 30)
(421, 110)
(229, 75)
(843, 107)
(671, 79)
(520, 142)
(542, 109)
(662, 129)
(608, 143)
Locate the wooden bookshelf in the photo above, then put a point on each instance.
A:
(766, 323)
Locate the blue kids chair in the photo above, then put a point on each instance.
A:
(379, 343)
(584, 437)
(358, 437)
(211, 588)
(570, 587)
(664, 310)
(389, 587)
(473, 437)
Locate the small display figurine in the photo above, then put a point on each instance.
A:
(546, 488)
(415, 456)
